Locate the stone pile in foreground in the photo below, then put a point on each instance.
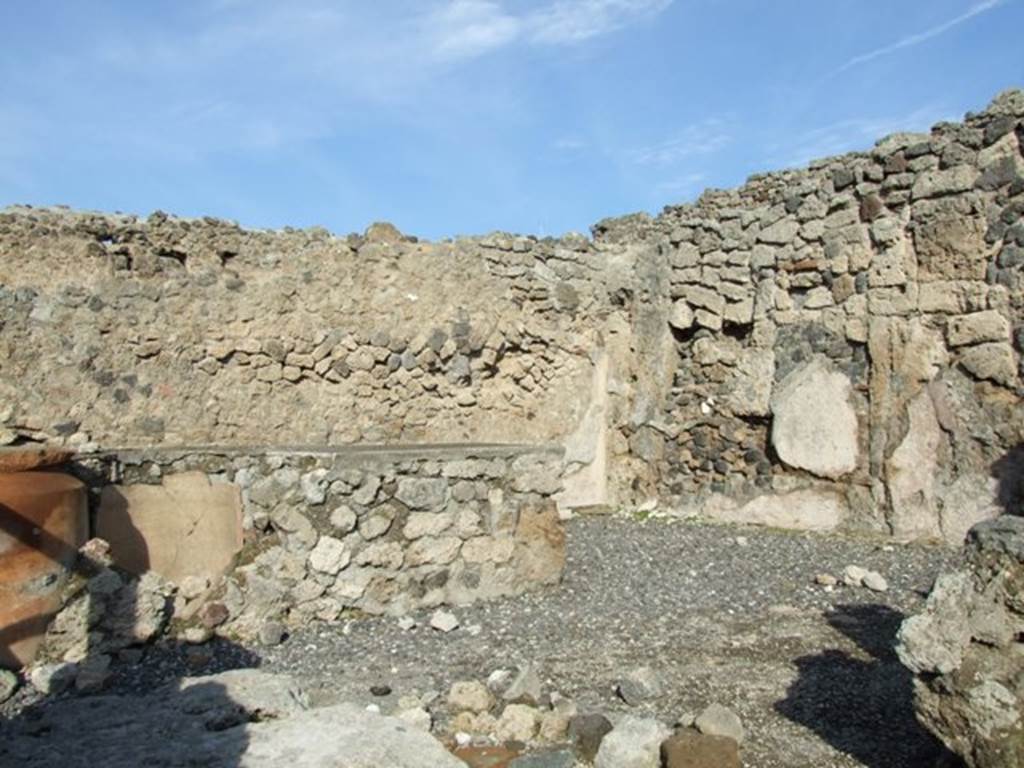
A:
(966, 650)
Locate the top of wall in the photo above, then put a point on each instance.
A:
(759, 189)
(955, 142)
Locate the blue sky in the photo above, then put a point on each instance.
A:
(465, 116)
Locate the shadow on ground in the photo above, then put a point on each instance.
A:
(852, 699)
(145, 714)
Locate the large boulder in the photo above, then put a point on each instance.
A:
(966, 652)
(814, 424)
(186, 526)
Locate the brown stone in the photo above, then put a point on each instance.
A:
(486, 757)
(540, 544)
(690, 749)
(184, 527)
(43, 522)
(22, 459)
(949, 241)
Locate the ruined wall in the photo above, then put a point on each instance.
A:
(847, 337)
(239, 540)
(125, 332)
(831, 347)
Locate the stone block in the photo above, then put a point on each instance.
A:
(977, 327)
(185, 526)
(814, 424)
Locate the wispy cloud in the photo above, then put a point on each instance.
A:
(570, 21)
(686, 185)
(919, 37)
(569, 144)
(851, 135)
(468, 28)
(703, 138)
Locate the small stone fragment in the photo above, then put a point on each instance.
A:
(272, 633)
(93, 673)
(638, 686)
(553, 758)
(634, 743)
(875, 582)
(444, 621)
(853, 575)
(826, 580)
(53, 679)
(517, 723)
(525, 687)
(417, 717)
(470, 696)
(586, 732)
(8, 684)
(717, 720)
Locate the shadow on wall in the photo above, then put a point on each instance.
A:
(847, 699)
(124, 704)
(1009, 474)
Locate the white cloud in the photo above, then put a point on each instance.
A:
(570, 21)
(703, 138)
(467, 28)
(920, 37)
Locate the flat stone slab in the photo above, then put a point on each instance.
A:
(187, 526)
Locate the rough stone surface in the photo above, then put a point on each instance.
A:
(717, 720)
(827, 443)
(691, 749)
(964, 650)
(634, 743)
(586, 733)
(470, 696)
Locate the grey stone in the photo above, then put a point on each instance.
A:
(444, 621)
(525, 687)
(639, 685)
(53, 678)
(960, 178)
(426, 493)
(551, 758)
(717, 720)
(8, 684)
(964, 653)
(875, 582)
(272, 633)
(330, 556)
(634, 743)
(586, 732)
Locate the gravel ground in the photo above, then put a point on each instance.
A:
(722, 614)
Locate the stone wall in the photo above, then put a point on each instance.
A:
(837, 346)
(251, 536)
(846, 337)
